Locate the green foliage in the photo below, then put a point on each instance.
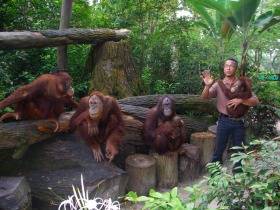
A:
(146, 78)
(29, 15)
(169, 51)
(257, 186)
(20, 67)
(81, 89)
(262, 118)
(160, 201)
(267, 113)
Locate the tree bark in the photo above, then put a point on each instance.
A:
(141, 170)
(206, 141)
(166, 170)
(113, 70)
(189, 163)
(183, 103)
(54, 38)
(66, 11)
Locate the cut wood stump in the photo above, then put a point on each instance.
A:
(189, 159)
(166, 169)
(15, 193)
(206, 142)
(141, 170)
(213, 129)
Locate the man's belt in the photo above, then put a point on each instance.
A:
(238, 117)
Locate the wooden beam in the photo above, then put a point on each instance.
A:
(54, 38)
(66, 11)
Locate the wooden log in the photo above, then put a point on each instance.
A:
(66, 11)
(206, 142)
(22, 134)
(15, 193)
(193, 124)
(166, 169)
(189, 160)
(14, 134)
(213, 129)
(141, 170)
(54, 38)
(183, 103)
(138, 112)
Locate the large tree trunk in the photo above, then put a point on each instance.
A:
(54, 38)
(113, 70)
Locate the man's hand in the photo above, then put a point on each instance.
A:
(234, 103)
(207, 77)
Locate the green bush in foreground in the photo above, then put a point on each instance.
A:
(256, 187)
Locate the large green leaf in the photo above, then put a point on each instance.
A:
(204, 13)
(268, 19)
(224, 16)
(244, 10)
(212, 4)
(263, 19)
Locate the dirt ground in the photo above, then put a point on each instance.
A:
(183, 194)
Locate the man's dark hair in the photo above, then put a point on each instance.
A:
(234, 60)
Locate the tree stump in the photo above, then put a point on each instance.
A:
(206, 142)
(166, 169)
(15, 193)
(189, 159)
(141, 170)
(213, 129)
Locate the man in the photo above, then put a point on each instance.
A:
(226, 124)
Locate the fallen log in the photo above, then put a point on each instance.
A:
(23, 133)
(54, 38)
(183, 102)
(16, 134)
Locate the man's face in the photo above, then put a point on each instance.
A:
(230, 68)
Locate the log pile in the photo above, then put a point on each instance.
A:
(135, 109)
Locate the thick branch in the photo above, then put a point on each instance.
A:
(54, 38)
